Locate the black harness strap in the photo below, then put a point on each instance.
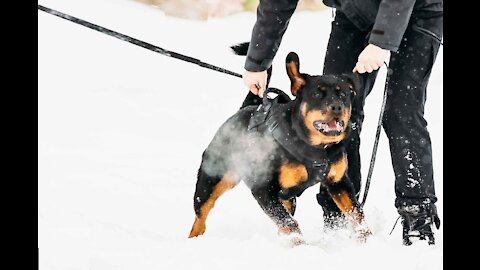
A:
(272, 116)
(315, 158)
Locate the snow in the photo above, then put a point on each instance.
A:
(122, 130)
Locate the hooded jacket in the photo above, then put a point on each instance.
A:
(386, 20)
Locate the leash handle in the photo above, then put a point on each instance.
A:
(267, 102)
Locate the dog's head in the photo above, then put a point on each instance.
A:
(323, 103)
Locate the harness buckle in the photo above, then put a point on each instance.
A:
(321, 166)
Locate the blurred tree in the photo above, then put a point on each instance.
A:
(221, 8)
(189, 9)
(251, 5)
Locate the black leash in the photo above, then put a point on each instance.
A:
(375, 144)
(137, 42)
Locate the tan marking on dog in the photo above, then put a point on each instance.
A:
(228, 181)
(289, 229)
(291, 175)
(337, 87)
(345, 204)
(343, 201)
(293, 240)
(315, 136)
(287, 204)
(303, 109)
(296, 80)
(337, 169)
(346, 113)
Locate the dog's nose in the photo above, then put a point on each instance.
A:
(336, 108)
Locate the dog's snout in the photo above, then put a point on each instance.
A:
(336, 108)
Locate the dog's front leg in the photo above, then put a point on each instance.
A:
(342, 192)
(343, 195)
(272, 205)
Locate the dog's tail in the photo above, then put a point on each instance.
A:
(241, 48)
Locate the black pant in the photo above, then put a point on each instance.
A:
(403, 122)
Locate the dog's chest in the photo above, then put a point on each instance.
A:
(292, 174)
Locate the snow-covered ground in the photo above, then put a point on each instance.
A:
(122, 130)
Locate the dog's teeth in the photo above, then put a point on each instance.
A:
(324, 127)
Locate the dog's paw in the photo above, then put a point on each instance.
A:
(292, 240)
(198, 228)
(297, 241)
(291, 235)
(362, 233)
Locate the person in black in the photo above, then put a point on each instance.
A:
(363, 33)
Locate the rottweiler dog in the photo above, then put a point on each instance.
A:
(318, 119)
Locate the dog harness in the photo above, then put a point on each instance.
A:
(271, 116)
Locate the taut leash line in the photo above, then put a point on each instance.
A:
(135, 41)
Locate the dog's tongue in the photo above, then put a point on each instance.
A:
(332, 124)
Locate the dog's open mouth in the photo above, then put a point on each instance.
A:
(331, 128)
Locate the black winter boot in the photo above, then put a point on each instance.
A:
(417, 221)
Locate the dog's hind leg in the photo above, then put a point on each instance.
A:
(208, 190)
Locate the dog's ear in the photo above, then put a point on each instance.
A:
(353, 81)
(297, 80)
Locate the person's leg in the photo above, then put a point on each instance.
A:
(406, 128)
(346, 42)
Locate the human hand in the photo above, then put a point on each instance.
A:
(370, 59)
(255, 81)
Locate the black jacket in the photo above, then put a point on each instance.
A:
(387, 20)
